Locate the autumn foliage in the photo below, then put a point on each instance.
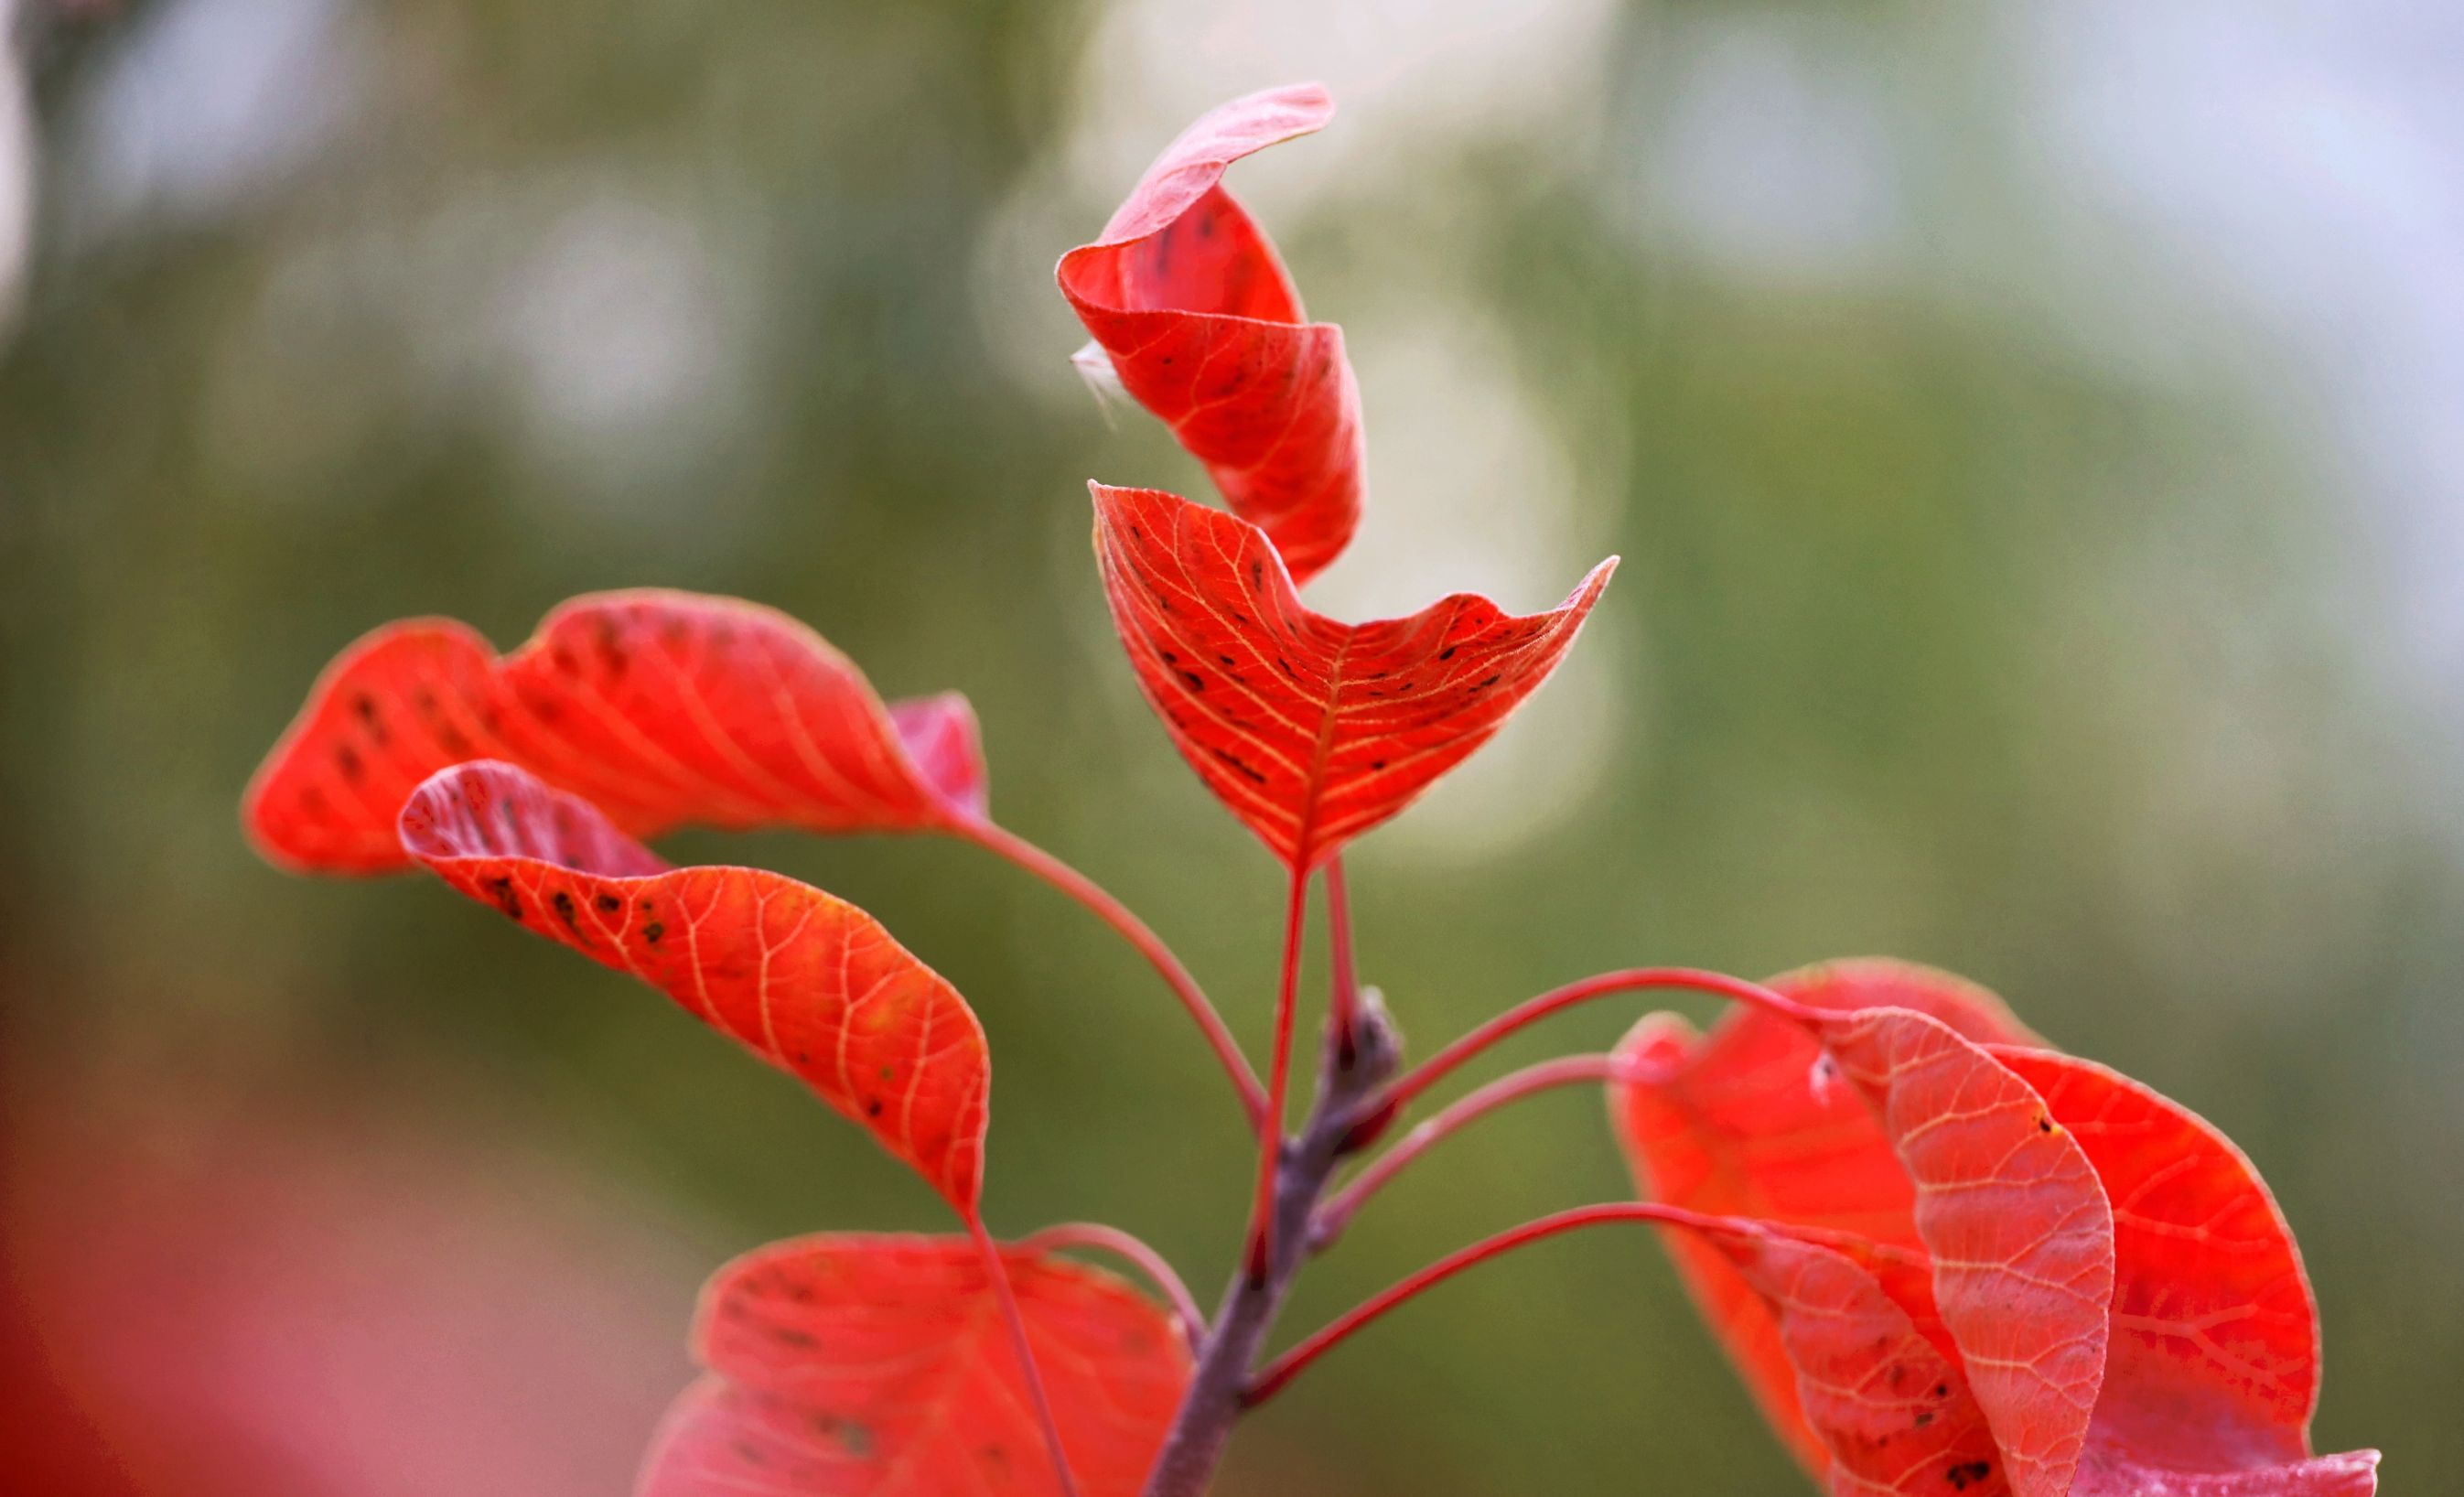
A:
(1944, 1256)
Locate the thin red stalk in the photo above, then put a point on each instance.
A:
(1099, 1237)
(1531, 1011)
(1344, 996)
(1043, 1401)
(1566, 1071)
(1285, 1368)
(1270, 1141)
(1026, 855)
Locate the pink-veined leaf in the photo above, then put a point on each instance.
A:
(1311, 730)
(806, 981)
(2014, 1220)
(663, 708)
(1188, 301)
(1855, 1330)
(866, 1366)
(2214, 1368)
(1738, 1122)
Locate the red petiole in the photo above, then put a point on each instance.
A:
(1097, 1236)
(1270, 1142)
(1285, 1368)
(1026, 855)
(1036, 1391)
(1566, 1071)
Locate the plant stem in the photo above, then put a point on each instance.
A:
(1270, 1141)
(1531, 1011)
(1566, 1071)
(1291, 1363)
(1344, 975)
(1042, 1402)
(1017, 850)
(1194, 1445)
(1099, 1237)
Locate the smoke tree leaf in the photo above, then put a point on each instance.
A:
(663, 708)
(877, 1366)
(1309, 730)
(1200, 324)
(807, 982)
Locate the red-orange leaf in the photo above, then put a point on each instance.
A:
(664, 708)
(1738, 1123)
(1311, 730)
(809, 982)
(2214, 1361)
(1194, 309)
(849, 1366)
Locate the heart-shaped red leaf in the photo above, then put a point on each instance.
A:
(806, 981)
(2214, 1361)
(1859, 1336)
(850, 1366)
(664, 708)
(1311, 730)
(1738, 1123)
(1193, 307)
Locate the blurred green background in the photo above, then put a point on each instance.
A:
(2031, 436)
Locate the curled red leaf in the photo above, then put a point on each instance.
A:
(866, 1366)
(1311, 730)
(1192, 306)
(1870, 1375)
(2015, 1223)
(809, 982)
(1738, 1122)
(664, 708)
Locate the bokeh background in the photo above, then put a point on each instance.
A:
(2032, 431)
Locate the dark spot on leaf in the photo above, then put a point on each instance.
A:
(1196, 682)
(562, 903)
(347, 760)
(1447, 653)
(652, 932)
(501, 890)
(1232, 760)
(1968, 1473)
(609, 904)
(873, 1107)
(1924, 1418)
(790, 1336)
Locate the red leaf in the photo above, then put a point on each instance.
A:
(2016, 1224)
(1734, 1123)
(2214, 1360)
(664, 708)
(806, 981)
(847, 1366)
(1193, 308)
(1856, 1330)
(1311, 730)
